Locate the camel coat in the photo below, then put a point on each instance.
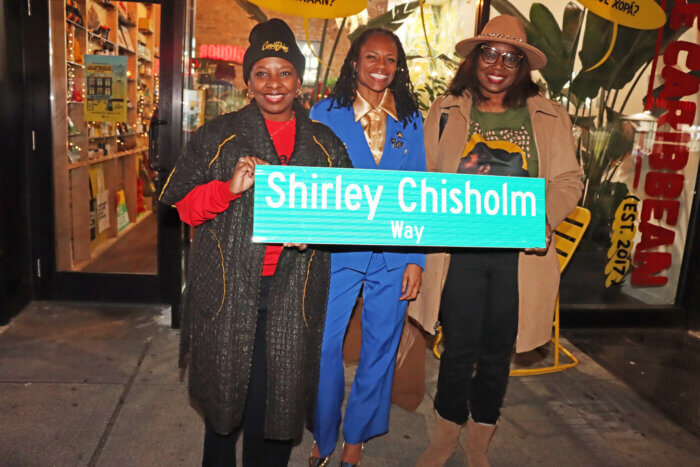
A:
(538, 276)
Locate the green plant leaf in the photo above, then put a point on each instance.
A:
(546, 36)
(390, 20)
(571, 28)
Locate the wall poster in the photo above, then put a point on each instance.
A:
(105, 82)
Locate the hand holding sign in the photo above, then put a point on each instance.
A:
(542, 251)
(244, 174)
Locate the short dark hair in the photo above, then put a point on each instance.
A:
(345, 88)
(465, 80)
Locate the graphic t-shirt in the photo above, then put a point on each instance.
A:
(500, 144)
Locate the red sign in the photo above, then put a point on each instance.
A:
(663, 183)
(228, 53)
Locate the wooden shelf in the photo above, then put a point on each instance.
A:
(93, 138)
(104, 246)
(100, 39)
(79, 26)
(98, 160)
(119, 169)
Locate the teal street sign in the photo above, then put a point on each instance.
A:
(387, 207)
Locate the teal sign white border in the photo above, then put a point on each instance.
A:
(319, 205)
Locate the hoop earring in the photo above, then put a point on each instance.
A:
(298, 92)
(250, 95)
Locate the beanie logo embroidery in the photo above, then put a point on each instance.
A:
(276, 46)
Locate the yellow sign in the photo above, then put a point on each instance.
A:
(314, 8)
(635, 14)
(621, 241)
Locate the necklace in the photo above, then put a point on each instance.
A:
(283, 126)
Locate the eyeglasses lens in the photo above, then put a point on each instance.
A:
(490, 56)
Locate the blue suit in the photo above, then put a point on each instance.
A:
(381, 271)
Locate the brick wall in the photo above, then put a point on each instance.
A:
(224, 22)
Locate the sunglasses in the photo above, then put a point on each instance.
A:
(510, 59)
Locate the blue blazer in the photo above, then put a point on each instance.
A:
(404, 149)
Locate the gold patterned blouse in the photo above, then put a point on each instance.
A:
(373, 121)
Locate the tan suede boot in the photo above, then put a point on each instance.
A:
(444, 443)
(476, 444)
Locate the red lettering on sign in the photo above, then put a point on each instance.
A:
(670, 152)
(678, 84)
(668, 156)
(679, 112)
(229, 53)
(662, 184)
(692, 60)
(682, 13)
(657, 208)
(654, 236)
(648, 265)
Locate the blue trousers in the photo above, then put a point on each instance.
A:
(367, 411)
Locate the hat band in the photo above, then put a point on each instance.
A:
(501, 36)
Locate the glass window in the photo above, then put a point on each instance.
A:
(635, 126)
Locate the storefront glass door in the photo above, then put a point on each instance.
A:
(106, 89)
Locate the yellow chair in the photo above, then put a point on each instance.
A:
(568, 235)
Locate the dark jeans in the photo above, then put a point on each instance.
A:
(220, 450)
(479, 315)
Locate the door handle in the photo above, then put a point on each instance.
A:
(153, 155)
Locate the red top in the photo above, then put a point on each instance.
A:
(204, 202)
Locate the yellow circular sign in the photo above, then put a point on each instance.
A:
(314, 8)
(635, 14)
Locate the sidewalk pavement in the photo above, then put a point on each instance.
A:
(99, 385)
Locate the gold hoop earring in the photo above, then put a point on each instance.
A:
(298, 92)
(250, 95)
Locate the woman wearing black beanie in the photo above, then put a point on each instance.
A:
(253, 314)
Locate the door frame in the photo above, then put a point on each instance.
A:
(49, 284)
(15, 249)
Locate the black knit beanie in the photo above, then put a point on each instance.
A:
(273, 39)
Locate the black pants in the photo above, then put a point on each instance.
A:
(220, 450)
(479, 315)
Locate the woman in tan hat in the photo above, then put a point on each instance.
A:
(493, 121)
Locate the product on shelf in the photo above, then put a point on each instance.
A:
(73, 12)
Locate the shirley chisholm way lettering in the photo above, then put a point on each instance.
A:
(386, 207)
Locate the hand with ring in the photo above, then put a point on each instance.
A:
(244, 174)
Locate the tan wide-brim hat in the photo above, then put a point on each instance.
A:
(507, 30)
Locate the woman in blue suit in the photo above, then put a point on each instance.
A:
(374, 111)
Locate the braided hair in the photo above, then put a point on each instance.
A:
(345, 89)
